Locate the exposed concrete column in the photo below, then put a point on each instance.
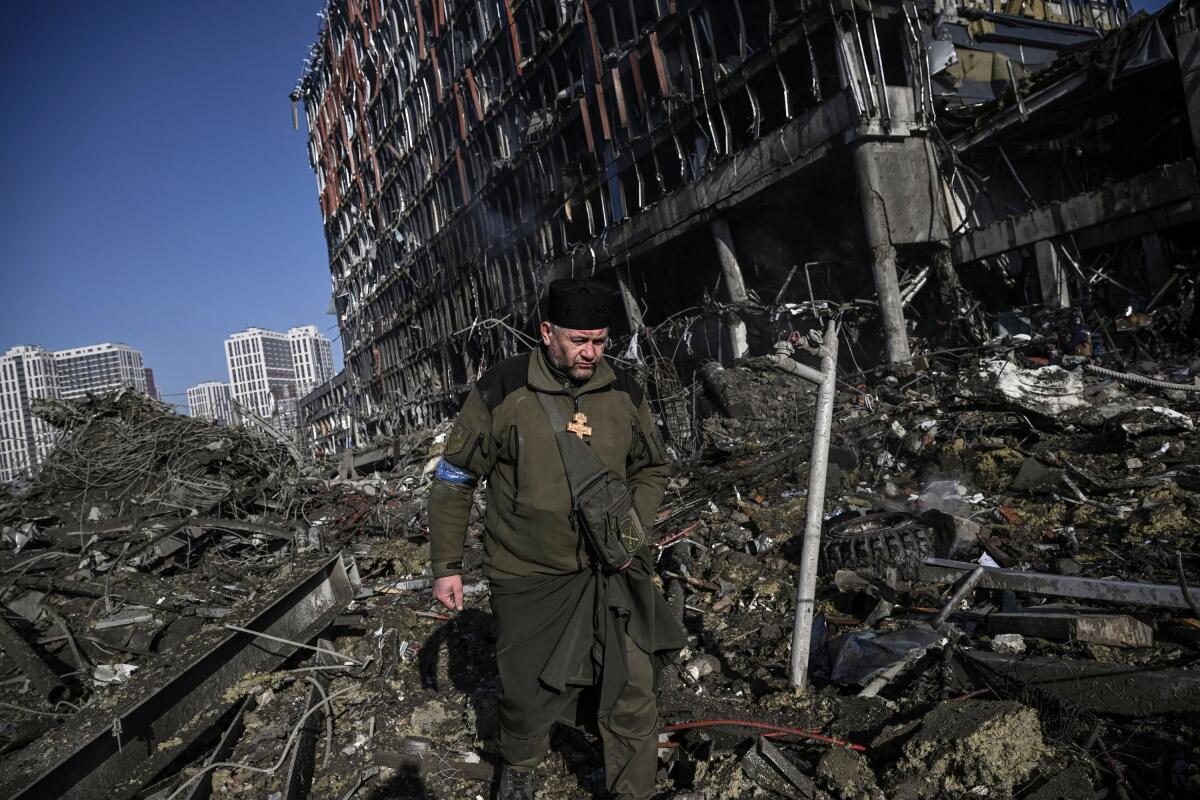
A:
(633, 312)
(1187, 50)
(883, 255)
(735, 284)
(1051, 276)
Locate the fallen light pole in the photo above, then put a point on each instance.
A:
(818, 464)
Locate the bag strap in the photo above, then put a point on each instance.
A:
(582, 465)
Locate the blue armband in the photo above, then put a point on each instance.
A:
(452, 474)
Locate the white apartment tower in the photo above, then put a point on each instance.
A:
(312, 357)
(99, 368)
(27, 373)
(270, 371)
(262, 377)
(210, 401)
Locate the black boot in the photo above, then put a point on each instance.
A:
(516, 783)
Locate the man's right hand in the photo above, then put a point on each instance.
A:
(449, 592)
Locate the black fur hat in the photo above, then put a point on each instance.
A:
(581, 304)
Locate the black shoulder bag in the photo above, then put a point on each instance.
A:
(600, 498)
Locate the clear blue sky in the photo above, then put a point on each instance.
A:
(155, 192)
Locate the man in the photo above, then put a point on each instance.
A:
(577, 643)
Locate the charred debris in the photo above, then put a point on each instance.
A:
(1003, 601)
(934, 263)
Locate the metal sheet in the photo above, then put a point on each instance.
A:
(157, 728)
(939, 570)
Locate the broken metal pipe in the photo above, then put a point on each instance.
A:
(782, 360)
(1130, 377)
(806, 584)
(966, 587)
(897, 668)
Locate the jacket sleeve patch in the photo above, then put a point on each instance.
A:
(453, 475)
(458, 437)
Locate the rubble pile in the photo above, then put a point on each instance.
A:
(145, 538)
(134, 458)
(1018, 457)
(1001, 613)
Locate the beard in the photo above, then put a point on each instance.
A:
(578, 373)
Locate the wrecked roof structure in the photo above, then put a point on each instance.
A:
(913, 288)
(698, 153)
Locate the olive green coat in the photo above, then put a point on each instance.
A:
(502, 435)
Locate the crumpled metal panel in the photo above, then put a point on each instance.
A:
(148, 735)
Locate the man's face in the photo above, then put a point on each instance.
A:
(575, 352)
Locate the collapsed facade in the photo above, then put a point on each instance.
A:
(325, 415)
(926, 161)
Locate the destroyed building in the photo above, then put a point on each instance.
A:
(972, 226)
(728, 157)
(325, 417)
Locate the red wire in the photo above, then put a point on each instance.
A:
(768, 726)
(678, 535)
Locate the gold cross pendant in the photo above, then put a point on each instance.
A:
(578, 425)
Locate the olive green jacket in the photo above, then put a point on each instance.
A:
(503, 435)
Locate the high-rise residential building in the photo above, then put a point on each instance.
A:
(270, 371)
(31, 372)
(262, 376)
(312, 357)
(27, 372)
(210, 401)
(99, 368)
